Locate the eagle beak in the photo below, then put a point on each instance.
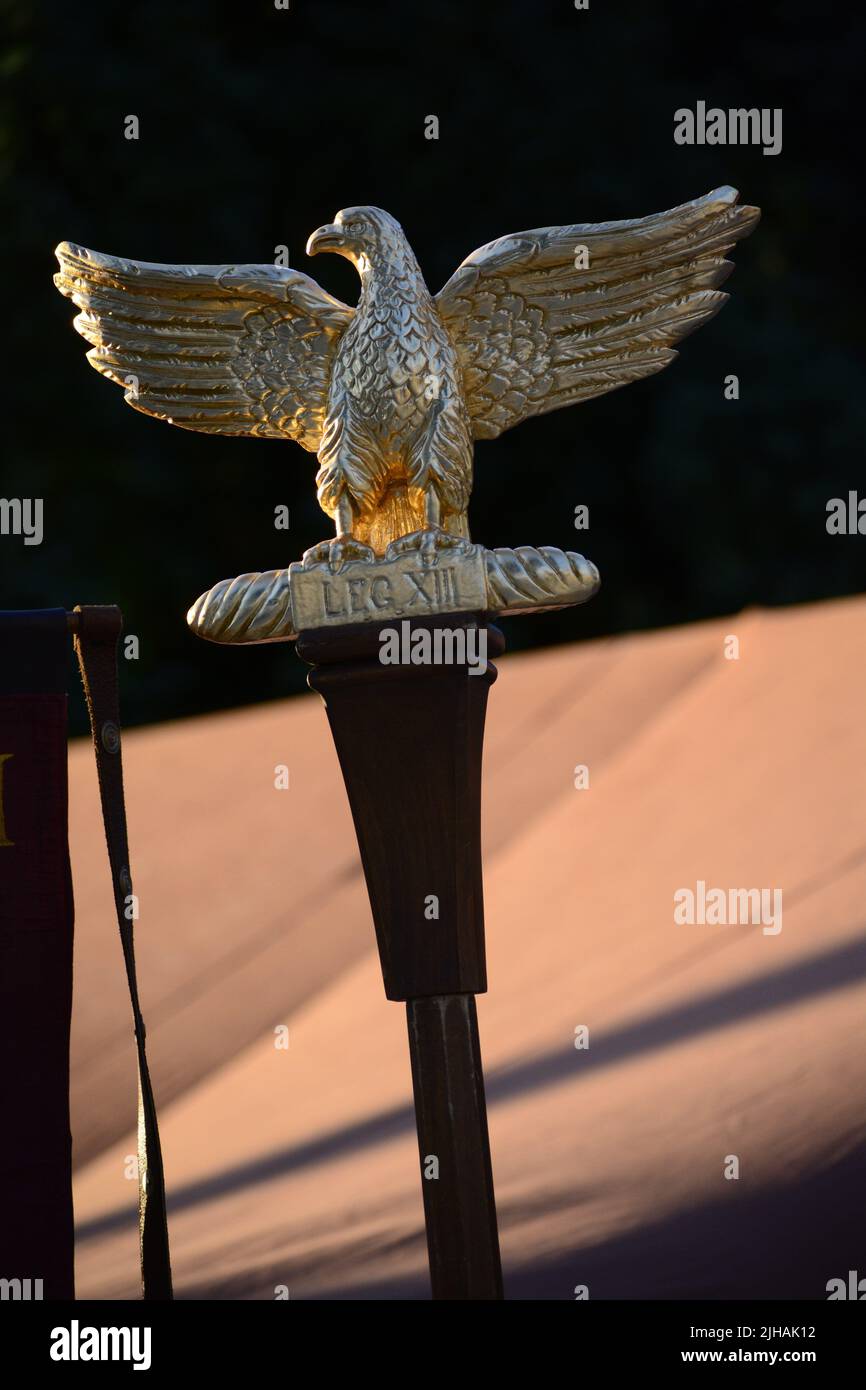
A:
(327, 238)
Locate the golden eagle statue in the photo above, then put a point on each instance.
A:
(391, 395)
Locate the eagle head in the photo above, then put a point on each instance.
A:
(363, 235)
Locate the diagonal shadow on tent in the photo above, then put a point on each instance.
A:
(815, 975)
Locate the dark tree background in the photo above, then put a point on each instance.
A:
(257, 124)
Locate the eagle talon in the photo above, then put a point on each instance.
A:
(430, 543)
(337, 553)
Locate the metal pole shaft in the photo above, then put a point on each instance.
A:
(457, 1176)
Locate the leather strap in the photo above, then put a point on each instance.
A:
(99, 629)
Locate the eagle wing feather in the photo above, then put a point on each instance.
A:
(535, 332)
(226, 349)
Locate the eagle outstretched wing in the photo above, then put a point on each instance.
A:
(534, 332)
(227, 349)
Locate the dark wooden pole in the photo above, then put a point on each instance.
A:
(409, 740)
(459, 1207)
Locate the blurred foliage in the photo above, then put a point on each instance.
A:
(257, 124)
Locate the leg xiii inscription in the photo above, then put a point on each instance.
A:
(373, 592)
